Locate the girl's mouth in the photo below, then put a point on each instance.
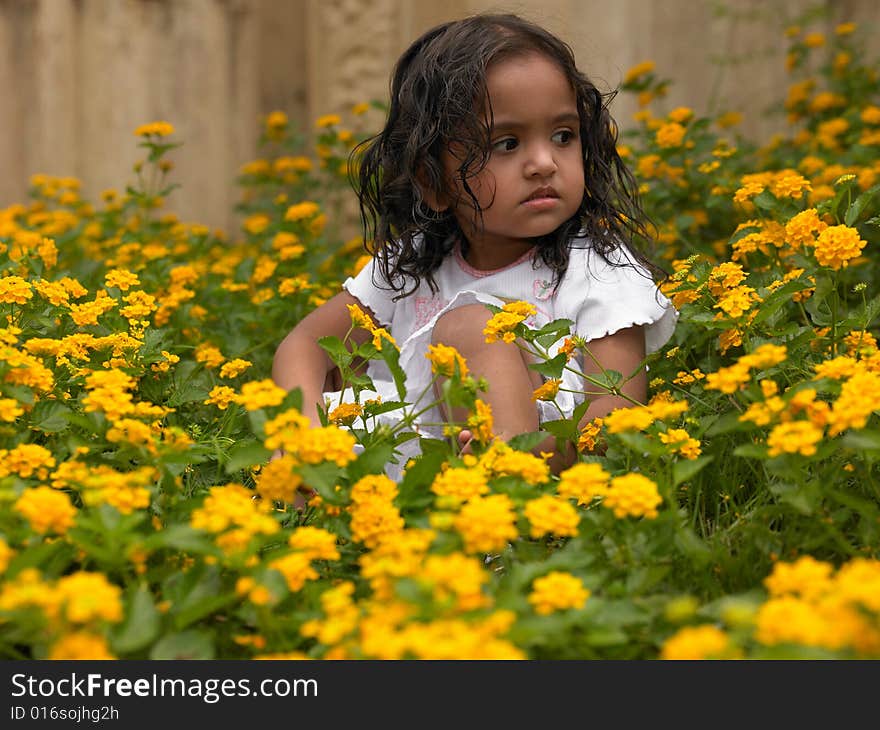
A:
(542, 199)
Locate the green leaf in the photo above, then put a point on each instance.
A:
(184, 645)
(391, 355)
(141, 625)
(859, 204)
(374, 409)
(563, 428)
(183, 538)
(336, 348)
(323, 478)
(527, 441)
(246, 454)
(751, 451)
(201, 608)
(550, 333)
(372, 461)
(50, 416)
(864, 440)
(551, 368)
(725, 424)
(687, 469)
(691, 545)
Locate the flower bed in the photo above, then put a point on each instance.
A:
(736, 514)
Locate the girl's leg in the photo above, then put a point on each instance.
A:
(502, 364)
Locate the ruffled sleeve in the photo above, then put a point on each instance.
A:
(369, 288)
(606, 297)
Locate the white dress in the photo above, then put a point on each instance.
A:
(598, 297)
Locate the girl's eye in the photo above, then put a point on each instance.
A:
(563, 136)
(508, 144)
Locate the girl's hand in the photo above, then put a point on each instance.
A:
(465, 441)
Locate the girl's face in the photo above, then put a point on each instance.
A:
(534, 179)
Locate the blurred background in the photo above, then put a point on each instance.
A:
(80, 75)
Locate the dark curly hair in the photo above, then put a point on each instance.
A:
(438, 94)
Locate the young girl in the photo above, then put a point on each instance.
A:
(496, 178)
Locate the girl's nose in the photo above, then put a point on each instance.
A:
(541, 161)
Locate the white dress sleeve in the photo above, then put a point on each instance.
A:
(369, 288)
(605, 298)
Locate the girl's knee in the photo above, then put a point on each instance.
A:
(461, 325)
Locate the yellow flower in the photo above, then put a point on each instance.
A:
(549, 515)
(234, 368)
(80, 645)
(807, 578)
(380, 335)
(795, 437)
(729, 379)
(632, 495)
(584, 482)
(301, 211)
(501, 326)
(278, 481)
(461, 483)
(88, 597)
(260, 394)
(14, 289)
(859, 398)
(837, 246)
(154, 129)
(801, 230)
(589, 436)
(680, 441)
(481, 422)
(814, 40)
(639, 70)
(547, 391)
(445, 360)
(317, 543)
(670, 135)
(122, 279)
(345, 413)
(487, 524)
(696, 642)
(46, 509)
(507, 462)
(328, 120)
(557, 591)
(220, 396)
(296, 569)
(276, 123)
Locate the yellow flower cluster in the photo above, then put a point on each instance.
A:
(374, 518)
(583, 482)
(487, 524)
(460, 483)
(155, 129)
(639, 418)
(557, 591)
(812, 605)
(234, 516)
(549, 515)
(632, 495)
(698, 642)
(46, 510)
(501, 326)
(446, 361)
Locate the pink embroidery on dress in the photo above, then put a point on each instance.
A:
(542, 289)
(427, 307)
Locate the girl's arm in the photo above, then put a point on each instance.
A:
(300, 362)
